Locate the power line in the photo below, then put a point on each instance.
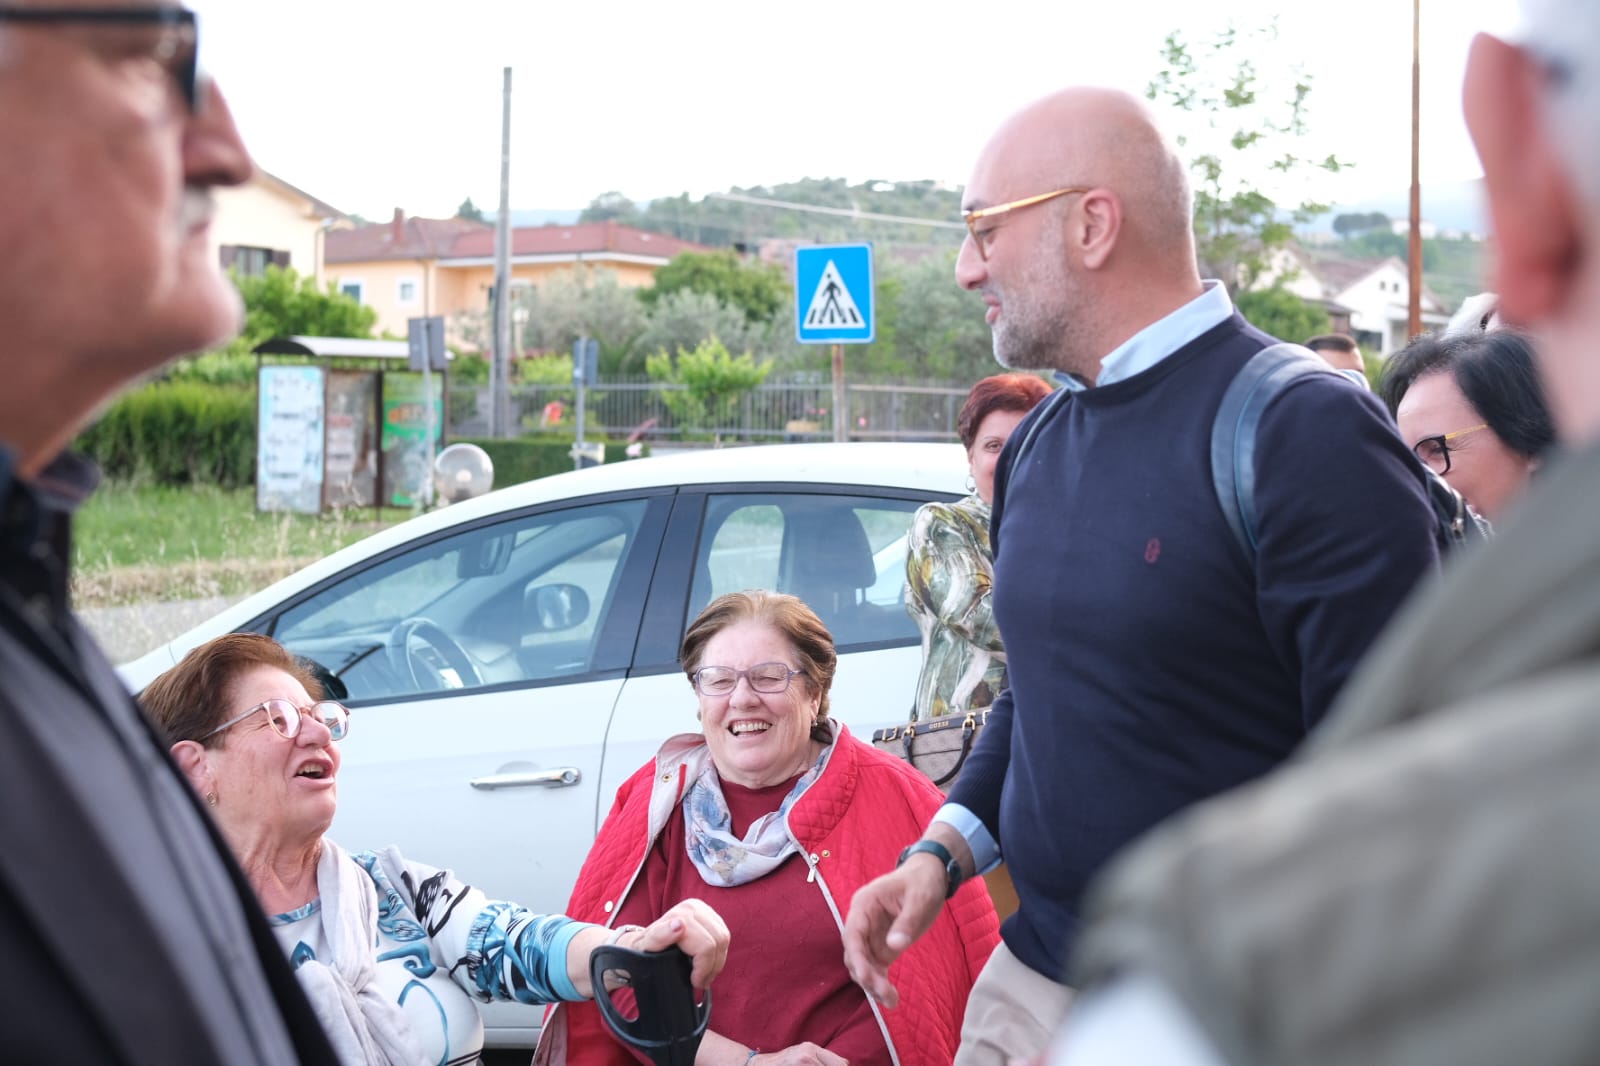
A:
(844, 211)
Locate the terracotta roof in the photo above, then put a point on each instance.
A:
(583, 238)
(400, 238)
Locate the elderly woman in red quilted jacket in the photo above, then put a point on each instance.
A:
(775, 815)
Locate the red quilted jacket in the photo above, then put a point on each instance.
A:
(851, 825)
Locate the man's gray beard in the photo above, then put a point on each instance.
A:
(1038, 334)
(1033, 356)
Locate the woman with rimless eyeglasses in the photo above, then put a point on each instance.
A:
(390, 952)
(1471, 406)
(775, 815)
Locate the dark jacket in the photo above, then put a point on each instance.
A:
(129, 934)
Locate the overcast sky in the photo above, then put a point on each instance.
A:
(373, 105)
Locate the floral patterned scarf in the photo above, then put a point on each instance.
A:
(722, 859)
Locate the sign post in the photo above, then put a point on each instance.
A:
(833, 290)
(585, 372)
(425, 337)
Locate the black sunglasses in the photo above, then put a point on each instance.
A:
(177, 51)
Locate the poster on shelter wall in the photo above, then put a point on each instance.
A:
(407, 456)
(289, 439)
(352, 439)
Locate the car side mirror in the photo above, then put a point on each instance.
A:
(333, 687)
(552, 608)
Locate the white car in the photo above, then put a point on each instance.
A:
(510, 660)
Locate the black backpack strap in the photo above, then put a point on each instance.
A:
(1233, 433)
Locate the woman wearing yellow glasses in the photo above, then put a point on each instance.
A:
(1471, 407)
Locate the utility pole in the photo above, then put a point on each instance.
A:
(500, 422)
(841, 417)
(1414, 245)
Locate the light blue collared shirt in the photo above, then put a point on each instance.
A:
(1161, 338)
(1133, 356)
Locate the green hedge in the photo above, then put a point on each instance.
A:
(178, 433)
(526, 458)
(189, 432)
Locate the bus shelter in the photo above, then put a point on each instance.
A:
(342, 422)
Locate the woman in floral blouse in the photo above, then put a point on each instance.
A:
(949, 568)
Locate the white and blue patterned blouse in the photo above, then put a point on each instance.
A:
(442, 944)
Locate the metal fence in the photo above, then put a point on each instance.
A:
(793, 410)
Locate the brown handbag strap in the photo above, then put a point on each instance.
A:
(969, 733)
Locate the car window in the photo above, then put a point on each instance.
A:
(843, 555)
(524, 600)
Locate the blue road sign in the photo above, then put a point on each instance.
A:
(833, 294)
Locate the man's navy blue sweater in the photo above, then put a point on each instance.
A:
(1149, 665)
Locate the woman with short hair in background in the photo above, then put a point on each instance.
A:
(950, 568)
(1472, 407)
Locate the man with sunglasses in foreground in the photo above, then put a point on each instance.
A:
(128, 931)
(1150, 663)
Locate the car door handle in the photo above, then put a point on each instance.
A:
(560, 777)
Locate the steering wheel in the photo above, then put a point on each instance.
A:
(419, 650)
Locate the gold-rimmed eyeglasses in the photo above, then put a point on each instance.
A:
(983, 237)
(1435, 451)
(285, 718)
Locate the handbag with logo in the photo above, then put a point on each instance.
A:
(939, 747)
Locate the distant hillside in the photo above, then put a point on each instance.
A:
(738, 222)
(1452, 207)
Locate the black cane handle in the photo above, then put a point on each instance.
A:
(669, 1023)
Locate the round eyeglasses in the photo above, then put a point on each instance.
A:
(285, 717)
(722, 680)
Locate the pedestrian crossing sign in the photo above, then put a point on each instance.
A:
(833, 294)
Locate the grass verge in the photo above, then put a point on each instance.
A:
(136, 543)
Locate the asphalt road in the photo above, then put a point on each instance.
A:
(128, 632)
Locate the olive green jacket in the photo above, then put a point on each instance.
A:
(1422, 884)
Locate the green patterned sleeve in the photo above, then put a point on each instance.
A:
(949, 574)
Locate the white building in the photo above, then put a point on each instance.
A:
(1369, 299)
(267, 221)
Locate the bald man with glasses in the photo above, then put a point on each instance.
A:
(128, 933)
(1150, 663)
